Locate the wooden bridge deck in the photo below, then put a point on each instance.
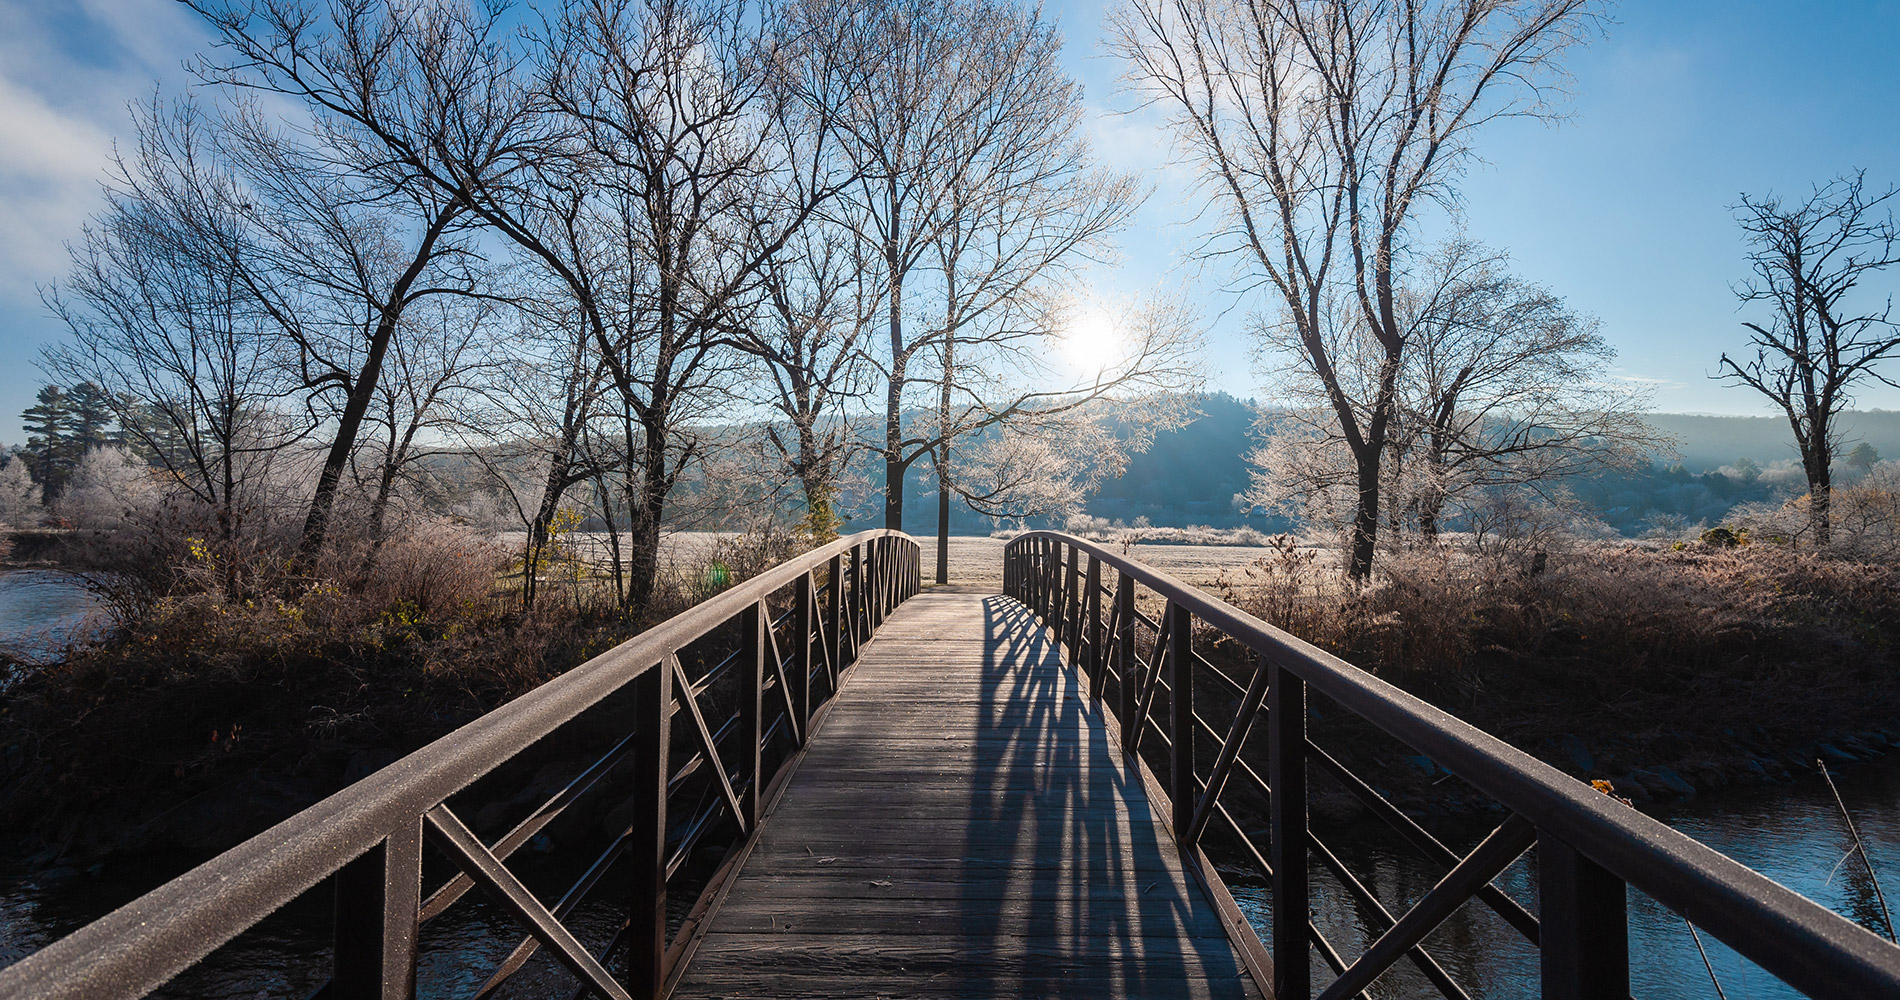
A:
(961, 825)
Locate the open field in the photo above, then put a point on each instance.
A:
(978, 561)
(975, 560)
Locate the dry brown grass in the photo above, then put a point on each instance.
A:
(1651, 655)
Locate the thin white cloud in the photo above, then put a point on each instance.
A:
(68, 72)
(50, 165)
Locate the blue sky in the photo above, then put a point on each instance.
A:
(1623, 208)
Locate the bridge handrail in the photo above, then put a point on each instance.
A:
(1805, 944)
(145, 943)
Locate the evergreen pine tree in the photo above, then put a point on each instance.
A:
(93, 419)
(51, 451)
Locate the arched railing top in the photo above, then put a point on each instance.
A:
(1805, 944)
(369, 834)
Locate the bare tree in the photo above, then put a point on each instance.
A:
(1502, 386)
(1809, 259)
(958, 120)
(340, 256)
(809, 342)
(1321, 127)
(162, 319)
(1031, 442)
(431, 398)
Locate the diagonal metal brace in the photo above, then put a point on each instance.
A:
(1230, 749)
(1510, 909)
(784, 689)
(468, 853)
(1151, 670)
(706, 741)
(1483, 864)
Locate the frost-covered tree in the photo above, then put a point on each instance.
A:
(19, 495)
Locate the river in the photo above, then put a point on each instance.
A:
(1792, 832)
(43, 611)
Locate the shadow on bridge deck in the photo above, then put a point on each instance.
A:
(961, 825)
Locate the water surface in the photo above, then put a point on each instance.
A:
(44, 611)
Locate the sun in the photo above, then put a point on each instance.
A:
(1091, 342)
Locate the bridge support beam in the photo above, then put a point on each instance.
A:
(646, 844)
(1286, 774)
(1183, 791)
(802, 615)
(1583, 925)
(377, 899)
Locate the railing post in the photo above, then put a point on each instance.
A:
(1035, 581)
(857, 598)
(1286, 775)
(1095, 660)
(834, 619)
(1042, 577)
(1182, 789)
(1583, 925)
(1072, 611)
(1059, 592)
(646, 844)
(800, 678)
(753, 622)
(377, 896)
(1124, 656)
(872, 592)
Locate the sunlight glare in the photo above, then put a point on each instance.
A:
(1092, 343)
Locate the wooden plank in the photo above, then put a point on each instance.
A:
(962, 824)
(1006, 955)
(1118, 983)
(924, 884)
(1073, 922)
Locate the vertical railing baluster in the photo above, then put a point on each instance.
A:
(1125, 658)
(1095, 658)
(1582, 925)
(753, 622)
(800, 676)
(377, 896)
(1286, 776)
(1183, 790)
(646, 844)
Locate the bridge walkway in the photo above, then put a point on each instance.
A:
(962, 825)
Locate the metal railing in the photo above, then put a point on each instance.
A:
(369, 839)
(1147, 671)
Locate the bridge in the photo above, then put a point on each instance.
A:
(830, 781)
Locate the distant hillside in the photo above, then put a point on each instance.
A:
(1710, 442)
(1190, 475)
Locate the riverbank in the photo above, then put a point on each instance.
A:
(1669, 673)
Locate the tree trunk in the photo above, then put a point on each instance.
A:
(645, 513)
(894, 464)
(1365, 521)
(942, 457)
(356, 404)
(943, 513)
(1820, 495)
